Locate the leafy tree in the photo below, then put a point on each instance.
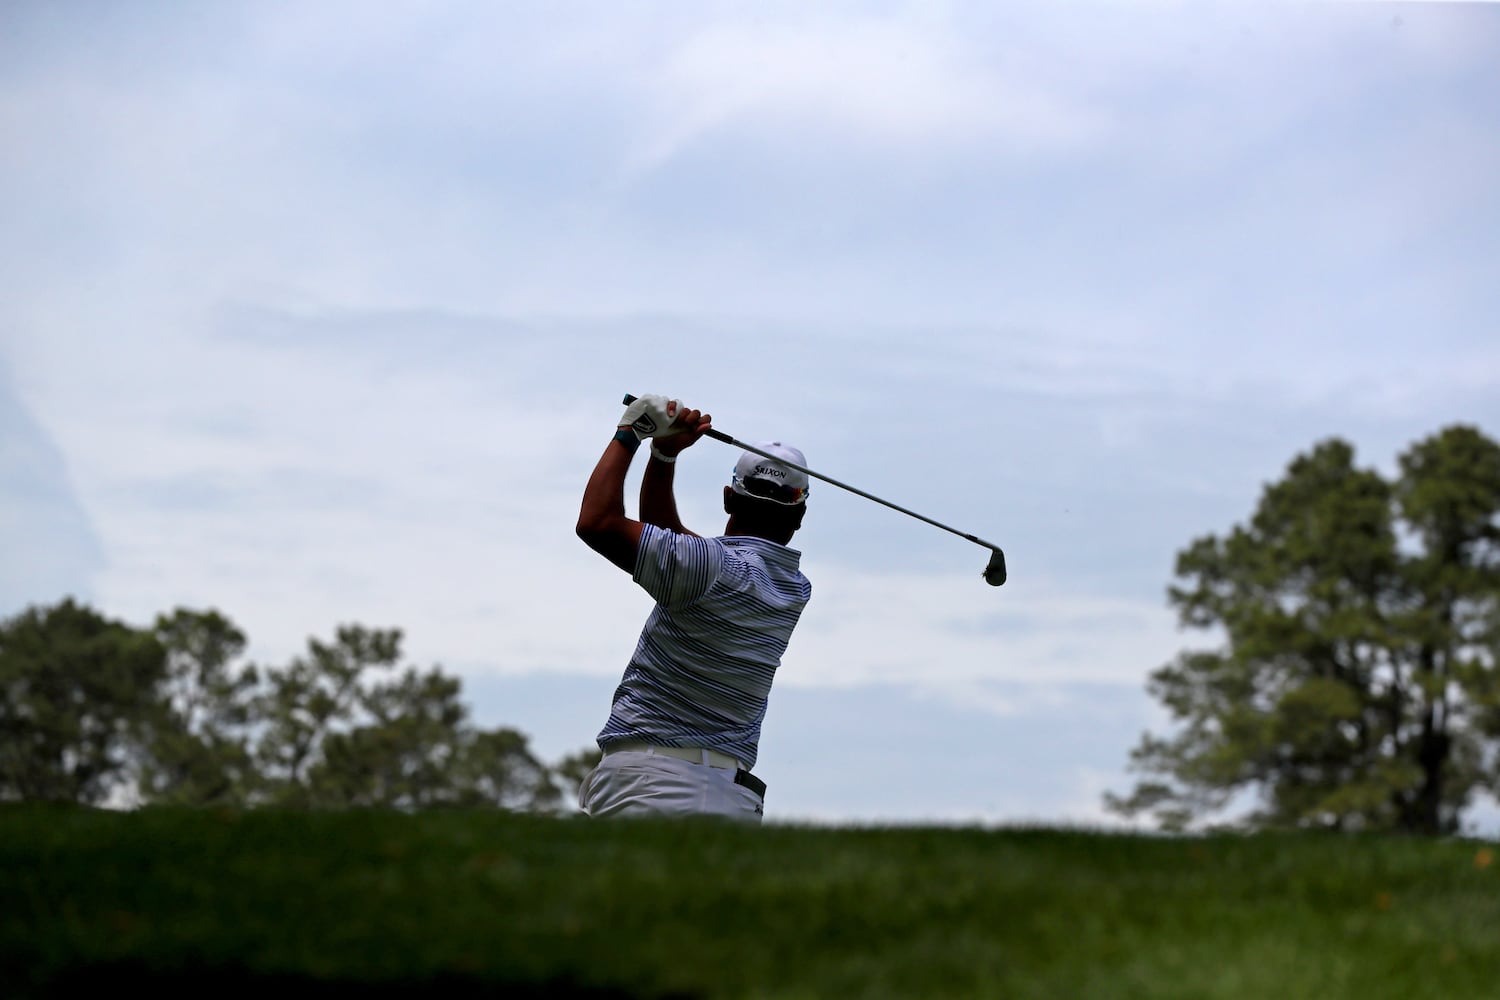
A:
(402, 755)
(497, 768)
(1357, 684)
(418, 750)
(1449, 497)
(336, 738)
(311, 698)
(74, 685)
(195, 748)
(94, 710)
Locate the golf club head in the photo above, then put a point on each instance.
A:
(994, 573)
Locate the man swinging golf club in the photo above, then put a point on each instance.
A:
(684, 727)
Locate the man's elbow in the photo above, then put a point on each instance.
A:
(591, 530)
(613, 538)
(598, 529)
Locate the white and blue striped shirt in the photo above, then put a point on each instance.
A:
(702, 670)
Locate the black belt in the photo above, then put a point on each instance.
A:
(750, 781)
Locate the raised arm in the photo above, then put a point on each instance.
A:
(602, 523)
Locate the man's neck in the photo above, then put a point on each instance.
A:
(732, 530)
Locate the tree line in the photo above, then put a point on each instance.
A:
(96, 711)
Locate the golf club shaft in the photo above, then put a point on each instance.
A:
(721, 436)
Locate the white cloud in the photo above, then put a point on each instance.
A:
(907, 81)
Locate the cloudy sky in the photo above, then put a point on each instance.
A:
(321, 312)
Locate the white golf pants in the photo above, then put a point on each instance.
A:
(640, 783)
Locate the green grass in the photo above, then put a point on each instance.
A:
(277, 905)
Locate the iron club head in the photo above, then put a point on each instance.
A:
(994, 572)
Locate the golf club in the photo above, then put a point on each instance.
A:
(994, 571)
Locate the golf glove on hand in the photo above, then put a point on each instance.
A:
(648, 417)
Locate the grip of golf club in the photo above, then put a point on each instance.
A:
(716, 435)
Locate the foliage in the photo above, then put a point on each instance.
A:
(173, 715)
(196, 745)
(405, 742)
(75, 687)
(1357, 685)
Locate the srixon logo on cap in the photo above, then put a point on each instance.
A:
(767, 470)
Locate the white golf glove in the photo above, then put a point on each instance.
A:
(648, 416)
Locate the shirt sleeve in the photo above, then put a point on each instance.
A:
(676, 569)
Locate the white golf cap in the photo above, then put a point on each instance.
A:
(766, 479)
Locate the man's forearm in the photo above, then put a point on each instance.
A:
(658, 501)
(602, 523)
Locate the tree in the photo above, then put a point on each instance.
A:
(195, 748)
(94, 710)
(1357, 685)
(418, 750)
(1449, 497)
(311, 698)
(497, 768)
(75, 687)
(336, 738)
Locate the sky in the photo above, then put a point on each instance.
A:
(321, 313)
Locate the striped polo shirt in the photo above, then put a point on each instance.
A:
(702, 670)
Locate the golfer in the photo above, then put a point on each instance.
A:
(684, 728)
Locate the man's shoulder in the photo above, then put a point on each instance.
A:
(656, 535)
(659, 544)
(677, 568)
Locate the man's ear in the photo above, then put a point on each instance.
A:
(728, 499)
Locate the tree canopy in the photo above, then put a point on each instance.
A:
(97, 711)
(1356, 686)
(76, 688)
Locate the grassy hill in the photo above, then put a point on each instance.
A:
(279, 905)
